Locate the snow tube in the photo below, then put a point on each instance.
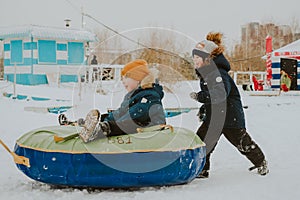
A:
(153, 158)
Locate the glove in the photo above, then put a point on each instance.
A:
(202, 113)
(80, 122)
(194, 95)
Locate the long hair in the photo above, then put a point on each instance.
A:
(216, 37)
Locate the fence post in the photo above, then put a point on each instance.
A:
(251, 75)
(235, 77)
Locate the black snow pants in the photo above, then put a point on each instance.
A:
(238, 138)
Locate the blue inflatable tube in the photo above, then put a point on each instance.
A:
(158, 158)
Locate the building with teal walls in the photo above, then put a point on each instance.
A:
(36, 54)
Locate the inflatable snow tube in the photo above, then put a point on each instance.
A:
(155, 158)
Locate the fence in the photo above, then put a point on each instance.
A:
(84, 73)
(243, 77)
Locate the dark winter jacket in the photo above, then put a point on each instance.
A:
(140, 108)
(220, 95)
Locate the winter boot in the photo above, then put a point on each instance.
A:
(63, 120)
(262, 169)
(105, 127)
(203, 174)
(91, 123)
(101, 130)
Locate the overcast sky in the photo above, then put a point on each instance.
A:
(194, 18)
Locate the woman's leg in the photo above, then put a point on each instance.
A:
(202, 133)
(243, 142)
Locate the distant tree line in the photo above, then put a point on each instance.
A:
(161, 50)
(247, 55)
(158, 49)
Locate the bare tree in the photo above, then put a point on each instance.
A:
(166, 54)
(109, 48)
(295, 27)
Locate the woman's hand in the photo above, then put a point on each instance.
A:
(194, 95)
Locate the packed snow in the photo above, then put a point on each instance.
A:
(272, 121)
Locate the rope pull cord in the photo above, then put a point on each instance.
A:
(155, 128)
(18, 159)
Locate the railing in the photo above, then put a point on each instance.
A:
(262, 75)
(85, 73)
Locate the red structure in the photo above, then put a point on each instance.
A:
(258, 84)
(269, 62)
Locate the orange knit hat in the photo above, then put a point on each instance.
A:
(137, 69)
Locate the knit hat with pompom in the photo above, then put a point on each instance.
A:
(216, 37)
(204, 48)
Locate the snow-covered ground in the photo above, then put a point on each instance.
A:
(271, 121)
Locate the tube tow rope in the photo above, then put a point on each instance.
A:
(18, 159)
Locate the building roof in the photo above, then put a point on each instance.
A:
(290, 49)
(44, 32)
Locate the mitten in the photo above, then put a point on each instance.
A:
(194, 95)
(202, 113)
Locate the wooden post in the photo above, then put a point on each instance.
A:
(15, 80)
(235, 77)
